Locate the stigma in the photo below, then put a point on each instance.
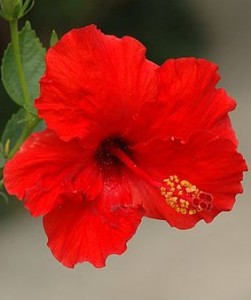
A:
(184, 197)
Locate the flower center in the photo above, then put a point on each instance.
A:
(181, 195)
(105, 156)
(184, 197)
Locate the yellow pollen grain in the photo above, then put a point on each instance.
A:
(185, 183)
(184, 203)
(183, 211)
(179, 195)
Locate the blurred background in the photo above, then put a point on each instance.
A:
(209, 262)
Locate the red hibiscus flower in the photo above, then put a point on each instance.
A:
(126, 138)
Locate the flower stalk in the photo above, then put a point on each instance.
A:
(17, 55)
(30, 120)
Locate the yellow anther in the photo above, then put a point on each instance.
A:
(183, 211)
(184, 197)
(184, 183)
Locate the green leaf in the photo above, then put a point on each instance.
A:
(40, 126)
(32, 56)
(13, 131)
(2, 160)
(53, 38)
(4, 197)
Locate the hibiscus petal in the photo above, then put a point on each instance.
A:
(93, 81)
(205, 160)
(92, 230)
(46, 167)
(187, 86)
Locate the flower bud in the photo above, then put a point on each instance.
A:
(12, 10)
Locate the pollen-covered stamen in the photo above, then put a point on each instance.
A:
(181, 195)
(184, 197)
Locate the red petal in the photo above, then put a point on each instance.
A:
(207, 161)
(187, 86)
(95, 80)
(46, 167)
(93, 230)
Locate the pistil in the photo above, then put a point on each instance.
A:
(125, 159)
(181, 195)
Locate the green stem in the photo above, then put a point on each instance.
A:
(17, 55)
(30, 120)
